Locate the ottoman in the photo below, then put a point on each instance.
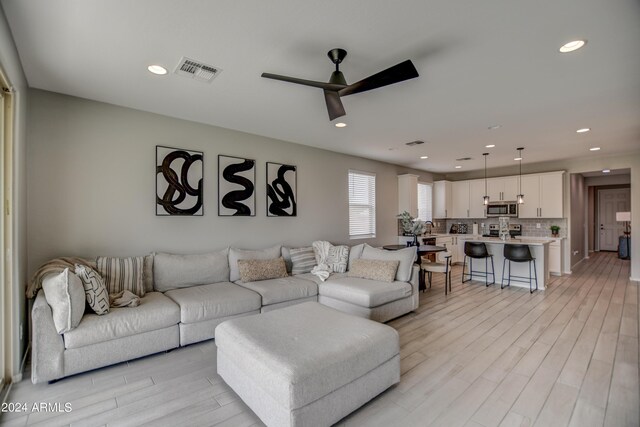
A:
(307, 364)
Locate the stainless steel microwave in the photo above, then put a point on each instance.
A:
(495, 209)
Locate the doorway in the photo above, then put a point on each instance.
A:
(611, 201)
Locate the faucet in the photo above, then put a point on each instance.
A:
(430, 224)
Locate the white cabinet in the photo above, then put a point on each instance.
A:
(555, 257)
(467, 199)
(503, 189)
(451, 243)
(442, 200)
(543, 196)
(460, 199)
(476, 199)
(408, 194)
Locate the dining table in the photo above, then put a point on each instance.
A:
(421, 250)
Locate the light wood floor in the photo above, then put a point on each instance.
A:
(478, 357)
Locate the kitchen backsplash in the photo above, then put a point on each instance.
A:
(529, 226)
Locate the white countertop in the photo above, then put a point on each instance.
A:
(472, 236)
(533, 241)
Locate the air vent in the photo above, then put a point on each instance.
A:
(463, 159)
(197, 70)
(412, 143)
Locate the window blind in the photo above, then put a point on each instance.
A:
(425, 203)
(362, 205)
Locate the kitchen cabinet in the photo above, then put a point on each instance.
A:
(442, 200)
(408, 194)
(467, 199)
(543, 196)
(504, 189)
(451, 243)
(555, 257)
(476, 196)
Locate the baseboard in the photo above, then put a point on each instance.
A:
(18, 377)
(634, 279)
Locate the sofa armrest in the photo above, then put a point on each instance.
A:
(415, 279)
(47, 346)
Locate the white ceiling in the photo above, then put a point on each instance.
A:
(481, 63)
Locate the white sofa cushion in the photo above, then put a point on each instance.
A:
(64, 293)
(315, 279)
(236, 254)
(283, 289)
(304, 352)
(364, 292)
(406, 256)
(155, 311)
(206, 302)
(172, 271)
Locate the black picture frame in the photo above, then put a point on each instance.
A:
(282, 190)
(236, 186)
(179, 182)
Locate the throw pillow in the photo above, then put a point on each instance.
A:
(384, 271)
(65, 295)
(121, 274)
(355, 252)
(335, 257)
(95, 290)
(406, 256)
(302, 260)
(238, 254)
(180, 271)
(253, 270)
(147, 273)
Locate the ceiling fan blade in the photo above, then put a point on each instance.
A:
(334, 104)
(398, 73)
(321, 85)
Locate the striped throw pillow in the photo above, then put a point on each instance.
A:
(121, 274)
(95, 290)
(302, 259)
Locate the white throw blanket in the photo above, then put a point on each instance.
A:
(329, 259)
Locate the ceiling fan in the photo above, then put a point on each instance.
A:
(338, 87)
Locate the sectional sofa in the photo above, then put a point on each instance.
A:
(191, 294)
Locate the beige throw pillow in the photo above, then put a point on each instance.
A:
(253, 270)
(65, 295)
(121, 274)
(384, 271)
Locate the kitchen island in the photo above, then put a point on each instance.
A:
(539, 249)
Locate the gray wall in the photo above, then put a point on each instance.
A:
(91, 185)
(578, 218)
(11, 66)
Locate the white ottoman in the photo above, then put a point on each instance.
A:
(307, 364)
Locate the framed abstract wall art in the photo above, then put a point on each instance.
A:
(236, 186)
(281, 190)
(179, 182)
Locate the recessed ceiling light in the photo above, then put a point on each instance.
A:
(341, 125)
(517, 158)
(572, 45)
(424, 157)
(458, 167)
(157, 69)
(494, 127)
(606, 170)
(583, 130)
(594, 149)
(490, 145)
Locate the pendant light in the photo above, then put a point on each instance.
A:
(520, 196)
(485, 199)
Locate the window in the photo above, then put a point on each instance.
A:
(425, 205)
(362, 205)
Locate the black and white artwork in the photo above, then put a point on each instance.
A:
(179, 182)
(236, 186)
(281, 190)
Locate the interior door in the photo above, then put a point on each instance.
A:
(610, 202)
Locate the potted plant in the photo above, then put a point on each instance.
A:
(555, 230)
(412, 226)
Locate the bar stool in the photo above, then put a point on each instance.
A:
(478, 250)
(519, 253)
(442, 265)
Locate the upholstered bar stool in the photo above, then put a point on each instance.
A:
(478, 250)
(442, 265)
(519, 253)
